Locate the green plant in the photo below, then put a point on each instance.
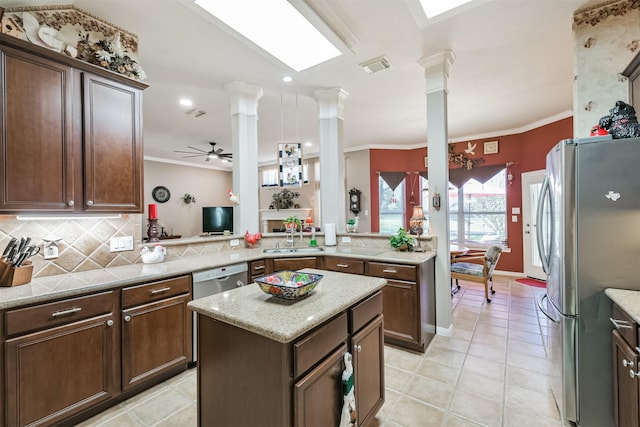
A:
(292, 221)
(351, 221)
(402, 240)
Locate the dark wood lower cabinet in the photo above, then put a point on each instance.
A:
(400, 310)
(59, 372)
(316, 394)
(368, 365)
(626, 397)
(66, 360)
(156, 337)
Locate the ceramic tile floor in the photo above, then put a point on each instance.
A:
(490, 372)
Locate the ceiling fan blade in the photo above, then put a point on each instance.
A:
(207, 159)
(219, 150)
(226, 155)
(197, 149)
(193, 155)
(188, 152)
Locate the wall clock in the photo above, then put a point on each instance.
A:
(354, 200)
(161, 194)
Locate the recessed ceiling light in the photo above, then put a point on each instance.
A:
(436, 7)
(277, 27)
(186, 102)
(308, 144)
(287, 79)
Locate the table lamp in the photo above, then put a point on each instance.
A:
(416, 225)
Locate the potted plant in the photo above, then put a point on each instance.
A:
(351, 225)
(292, 222)
(402, 241)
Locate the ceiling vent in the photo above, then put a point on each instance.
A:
(196, 112)
(376, 64)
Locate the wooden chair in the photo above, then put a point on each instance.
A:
(476, 267)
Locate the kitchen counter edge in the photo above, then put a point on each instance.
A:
(628, 300)
(61, 286)
(281, 320)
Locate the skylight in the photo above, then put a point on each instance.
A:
(277, 27)
(436, 7)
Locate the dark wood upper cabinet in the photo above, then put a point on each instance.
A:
(112, 146)
(36, 154)
(70, 134)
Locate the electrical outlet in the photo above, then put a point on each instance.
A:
(120, 244)
(234, 242)
(346, 239)
(50, 252)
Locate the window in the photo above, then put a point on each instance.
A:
(270, 177)
(478, 212)
(391, 207)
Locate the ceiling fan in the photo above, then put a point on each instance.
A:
(212, 154)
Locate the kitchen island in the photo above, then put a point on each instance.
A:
(284, 359)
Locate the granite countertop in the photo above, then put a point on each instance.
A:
(627, 300)
(283, 320)
(71, 284)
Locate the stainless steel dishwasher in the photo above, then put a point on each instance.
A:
(213, 281)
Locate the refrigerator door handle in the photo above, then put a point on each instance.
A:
(544, 257)
(543, 309)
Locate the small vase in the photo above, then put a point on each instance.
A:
(403, 248)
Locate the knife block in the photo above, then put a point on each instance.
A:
(14, 276)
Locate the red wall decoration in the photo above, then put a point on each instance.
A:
(526, 151)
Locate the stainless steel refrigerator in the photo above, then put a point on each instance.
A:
(588, 230)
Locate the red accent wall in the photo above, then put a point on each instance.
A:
(526, 150)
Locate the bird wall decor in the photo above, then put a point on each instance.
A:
(470, 148)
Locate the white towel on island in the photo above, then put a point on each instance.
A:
(348, 418)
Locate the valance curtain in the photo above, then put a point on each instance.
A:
(393, 179)
(460, 176)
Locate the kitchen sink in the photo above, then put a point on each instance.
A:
(310, 249)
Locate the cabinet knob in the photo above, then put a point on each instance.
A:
(358, 348)
(633, 374)
(127, 318)
(89, 202)
(626, 363)
(109, 322)
(71, 203)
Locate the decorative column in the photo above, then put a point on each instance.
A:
(244, 143)
(332, 187)
(436, 72)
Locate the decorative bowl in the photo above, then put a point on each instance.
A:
(289, 284)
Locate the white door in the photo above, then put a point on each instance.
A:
(531, 184)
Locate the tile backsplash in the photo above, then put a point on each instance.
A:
(85, 243)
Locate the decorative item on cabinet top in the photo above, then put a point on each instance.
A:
(74, 32)
(354, 200)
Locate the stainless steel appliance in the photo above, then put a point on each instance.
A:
(588, 230)
(213, 281)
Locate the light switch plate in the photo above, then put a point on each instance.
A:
(234, 242)
(515, 211)
(120, 244)
(514, 218)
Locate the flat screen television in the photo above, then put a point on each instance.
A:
(217, 219)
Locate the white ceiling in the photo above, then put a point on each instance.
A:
(513, 69)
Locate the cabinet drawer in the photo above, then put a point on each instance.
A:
(294, 263)
(366, 310)
(626, 326)
(58, 313)
(313, 348)
(344, 265)
(392, 271)
(257, 268)
(142, 294)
